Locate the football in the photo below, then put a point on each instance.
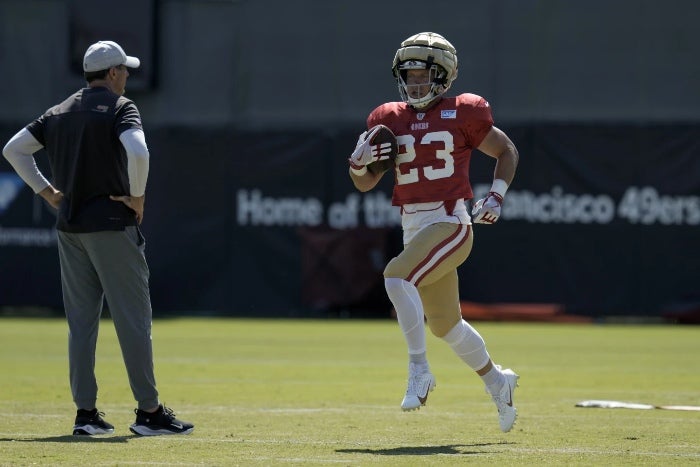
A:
(387, 146)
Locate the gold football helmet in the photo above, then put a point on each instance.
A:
(427, 51)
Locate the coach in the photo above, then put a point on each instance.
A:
(99, 160)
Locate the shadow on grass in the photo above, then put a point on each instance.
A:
(71, 439)
(450, 449)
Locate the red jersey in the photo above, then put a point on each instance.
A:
(435, 146)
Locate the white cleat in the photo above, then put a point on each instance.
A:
(507, 413)
(420, 383)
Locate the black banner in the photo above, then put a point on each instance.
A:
(600, 218)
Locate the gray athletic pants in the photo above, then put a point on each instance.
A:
(111, 265)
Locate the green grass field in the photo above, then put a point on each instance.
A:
(300, 392)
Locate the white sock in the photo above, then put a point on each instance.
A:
(409, 311)
(468, 345)
(494, 380)
(418, 358)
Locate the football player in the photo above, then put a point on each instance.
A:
(436, 135)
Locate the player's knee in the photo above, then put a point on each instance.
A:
(441, 325)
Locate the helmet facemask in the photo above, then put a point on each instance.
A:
(436, 81)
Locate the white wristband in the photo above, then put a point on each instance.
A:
(499, 186)
(359, 172)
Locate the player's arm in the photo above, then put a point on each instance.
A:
(499, 146)
(19, 152)
(366, 180)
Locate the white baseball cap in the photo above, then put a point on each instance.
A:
(103, 55)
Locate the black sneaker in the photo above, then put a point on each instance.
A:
(160, 422)
(90, 422)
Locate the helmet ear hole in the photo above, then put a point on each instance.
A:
(440, 75)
